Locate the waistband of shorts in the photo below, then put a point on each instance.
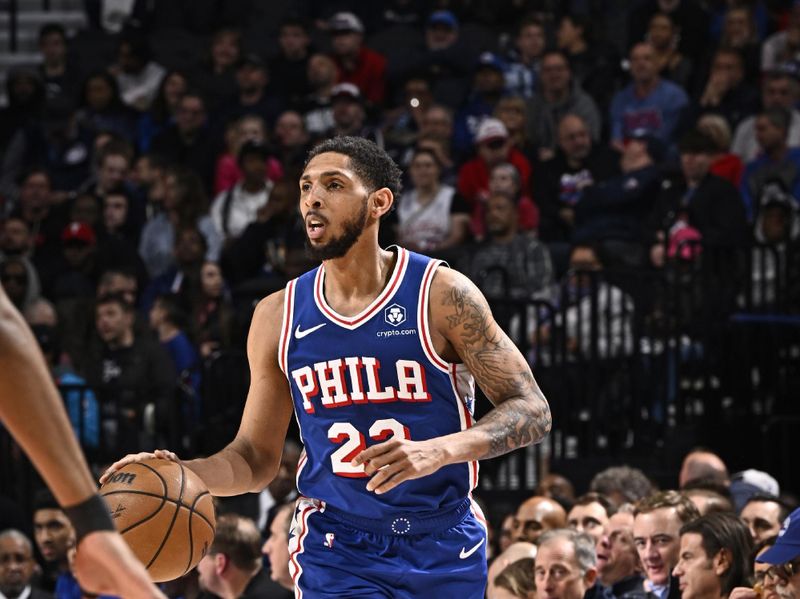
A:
(403, 523)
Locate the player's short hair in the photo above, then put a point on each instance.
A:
(582, 543)
(371, 163)
(686, 510)
(719, 531)
(238, 538)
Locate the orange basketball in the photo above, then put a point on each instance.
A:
(165, 513)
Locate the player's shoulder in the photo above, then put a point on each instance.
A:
(454, 299)
(271, 307)
(265, 325)
(448, 281)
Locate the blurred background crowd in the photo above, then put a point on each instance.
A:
(620, 178)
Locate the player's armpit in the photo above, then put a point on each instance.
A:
(521, 416)
(252, 459)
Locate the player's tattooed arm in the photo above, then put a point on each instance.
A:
(521, 415)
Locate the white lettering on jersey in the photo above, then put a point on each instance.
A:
(331, 378)
(354, 379)
(374, 394)
(354, 367)
(411, 381)
(307, 384)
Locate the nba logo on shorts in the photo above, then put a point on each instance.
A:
(395, 315)
(328, 542)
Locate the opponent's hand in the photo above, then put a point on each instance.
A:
(104, 564)
(397, 460)
(163, 454)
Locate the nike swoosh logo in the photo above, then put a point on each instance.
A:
(465, 554)
(298, 334)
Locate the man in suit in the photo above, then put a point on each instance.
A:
(17, 567)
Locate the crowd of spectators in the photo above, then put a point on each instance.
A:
(534, 143)
(713, 536)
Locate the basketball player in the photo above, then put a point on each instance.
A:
(375, 351)
(32, 410)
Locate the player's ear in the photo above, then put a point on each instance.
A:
(381, 202)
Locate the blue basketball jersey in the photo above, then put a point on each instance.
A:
(358, 381)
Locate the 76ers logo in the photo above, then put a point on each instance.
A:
(395, 315)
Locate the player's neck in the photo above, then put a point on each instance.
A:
(359, 276)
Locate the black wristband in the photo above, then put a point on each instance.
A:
(88, 516)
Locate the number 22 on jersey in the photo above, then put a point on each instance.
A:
(353, 442)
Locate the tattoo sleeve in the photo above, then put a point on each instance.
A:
(521, 415)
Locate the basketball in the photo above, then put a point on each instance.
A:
(164, 512)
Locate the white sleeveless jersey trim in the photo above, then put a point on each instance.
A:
(353, 322)
(303, 510)
(283, 357)
(422, 318)
(286, 326)
(301, 462)
(464, 389)
(476, 510)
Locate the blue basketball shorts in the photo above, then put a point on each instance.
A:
(339, 554)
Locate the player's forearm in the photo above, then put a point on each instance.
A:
(235, 470)
(514, 423)
(33, 411)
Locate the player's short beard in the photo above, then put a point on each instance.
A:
(339, 246)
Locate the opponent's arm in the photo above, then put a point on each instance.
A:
(462, 323)
(252, 459)
(32, 410)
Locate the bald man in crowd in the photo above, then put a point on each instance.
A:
(537, 515)
(703, 464)
(17, 567)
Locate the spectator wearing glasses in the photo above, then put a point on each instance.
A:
(765, 577)
(714, 556)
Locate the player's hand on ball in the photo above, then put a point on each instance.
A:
(104, 564)
(397, 460)
(163, 454)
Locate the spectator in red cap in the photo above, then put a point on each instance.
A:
(75, 275)
(357, 64)
(493, 147)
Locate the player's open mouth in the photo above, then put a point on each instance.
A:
(314, 228)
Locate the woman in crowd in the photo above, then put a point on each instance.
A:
(432, 217)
